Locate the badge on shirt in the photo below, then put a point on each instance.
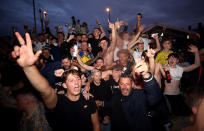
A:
(85, 107)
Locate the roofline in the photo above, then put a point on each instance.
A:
(169, 27)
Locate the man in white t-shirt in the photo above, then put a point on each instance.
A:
(141, 45)
(171, 89)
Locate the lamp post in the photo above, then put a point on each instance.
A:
(41, 20)
(35, 29)
(108, 11)
(43, 13)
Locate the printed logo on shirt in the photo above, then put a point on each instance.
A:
(85, 106)
(124, 69)
(115, 87)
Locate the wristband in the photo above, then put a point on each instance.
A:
(149, 78)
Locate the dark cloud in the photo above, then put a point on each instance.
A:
(169, 12)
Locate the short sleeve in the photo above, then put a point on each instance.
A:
(92, 106)
(158, 57)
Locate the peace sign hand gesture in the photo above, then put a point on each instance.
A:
(24, 53)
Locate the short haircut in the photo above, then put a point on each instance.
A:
(94, 71)
(124, 75)
(117, 67)
(175, 55)
(99, 58)
(123, 51)
(40, 34)
(45, 48)
(68, 72)
(96, 28)
(84, 34)
(106, 39)
(66, 56)
(193, 96)
(165, 39)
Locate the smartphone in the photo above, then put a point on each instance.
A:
(89, 45)
(75, 51)
(188, 36)
(140, 15)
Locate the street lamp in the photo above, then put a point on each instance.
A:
(43, 13)
(108, 11)
(34, 16)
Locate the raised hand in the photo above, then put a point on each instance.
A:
(118, 24)
(139, 41)
(193, 48)
(71, 37)
(141, 68)
(156, 37)
(24, 53)
(141, 27)
(61, 27)
(59, 72)
(111, 25)
(150, 52)
(166, 67)
(98, 22)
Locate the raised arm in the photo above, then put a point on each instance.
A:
(139, 17)
(133, 41)
(62, 28)
(56, 30)
(196, 64)
(106, 73)
(84, 65)
(150, 54)
(113, 42)
(47, 29)
(103, 33)
(151, 86)
(131, 45)
(156, 37)
(26, 59)
(70, 38)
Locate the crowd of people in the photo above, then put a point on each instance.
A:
(109, 81)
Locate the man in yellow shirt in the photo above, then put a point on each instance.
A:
(85, 54)
(162, 57)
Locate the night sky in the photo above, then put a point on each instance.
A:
(177, 13)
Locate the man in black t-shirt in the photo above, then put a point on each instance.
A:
(101, 92)
(98, 34)
(114, 79)
(72, 111)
